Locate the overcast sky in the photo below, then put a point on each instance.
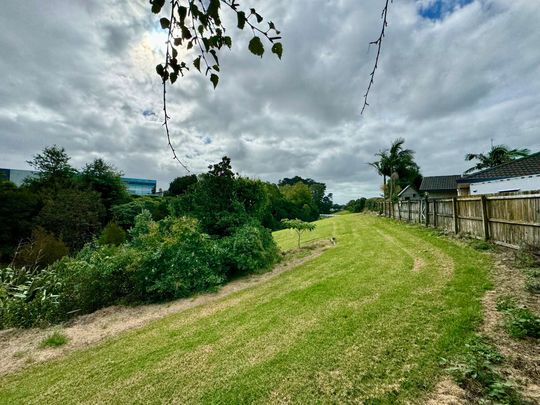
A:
(453, 75)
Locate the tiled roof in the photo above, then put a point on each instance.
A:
(526, 166)
(439, 183)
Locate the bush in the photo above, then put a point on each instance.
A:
(28, 297)
(176, 259)
(112, 234)
(42, 249)
(249, 249)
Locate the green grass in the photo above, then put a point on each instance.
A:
(56, 339)
(368, 320)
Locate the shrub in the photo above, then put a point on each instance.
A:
(176, 258)
(249, 249)
(28, 297)
(57, 339)
(112, 234)
(41, 250)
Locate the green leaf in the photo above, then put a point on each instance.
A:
(228, 41)
(241, 19)
(157, 5)
(177, 41)
(277, 48)
(256, 46)
(186, 33)
(182, 12)
(213, 9)
(173, 77)
(165, 23)
(159, 70)
(214, 79)
(197, 63)
(174, 53)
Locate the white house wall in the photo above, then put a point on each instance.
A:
(525, 183)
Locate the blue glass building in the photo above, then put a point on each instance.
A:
(134, 186)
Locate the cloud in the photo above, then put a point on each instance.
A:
(83, 77)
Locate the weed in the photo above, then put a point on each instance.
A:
(527, 256)
(520, 322)
(476, 372)
(532, 282)
(482, 245)
(55, 340)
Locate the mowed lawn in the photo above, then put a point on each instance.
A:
(368, 320)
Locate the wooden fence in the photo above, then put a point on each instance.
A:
(510, 220)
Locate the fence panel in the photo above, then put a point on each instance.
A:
(510, 220)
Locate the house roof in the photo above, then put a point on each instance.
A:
(439, 183)
(526, 166)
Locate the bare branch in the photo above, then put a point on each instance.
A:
(377, 42)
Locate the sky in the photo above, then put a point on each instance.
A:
(454, 76)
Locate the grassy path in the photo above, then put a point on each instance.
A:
(367, 320)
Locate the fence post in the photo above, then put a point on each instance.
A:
(409, 209)
(435, 212)
(399, 209)
(427, 212)
(485, 219)
(420, 211)
(455, 215)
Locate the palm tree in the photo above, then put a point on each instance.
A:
(498, 155)
(395, 163)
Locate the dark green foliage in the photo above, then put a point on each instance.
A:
(103, 178)
(124, 214)
(356, 205)
(56, 339)
(249, 249)
(322, 202)
(176, 259)
(72, 215)
(476, 372)
(42, 249)
(112, 234)
(180, 185)
(18, 208)
(54, 169)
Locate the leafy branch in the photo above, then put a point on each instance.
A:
(377, 42)
(195, 26)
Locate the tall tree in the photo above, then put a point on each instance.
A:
(54, 170)
(496, 156)
(396, 163)
(105, 179)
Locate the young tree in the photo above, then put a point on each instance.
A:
(496, 156)
(298, 226)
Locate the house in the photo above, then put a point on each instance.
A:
(440, 186)
(409, 193)
(516, 176)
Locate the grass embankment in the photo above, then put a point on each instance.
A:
(367, 320)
